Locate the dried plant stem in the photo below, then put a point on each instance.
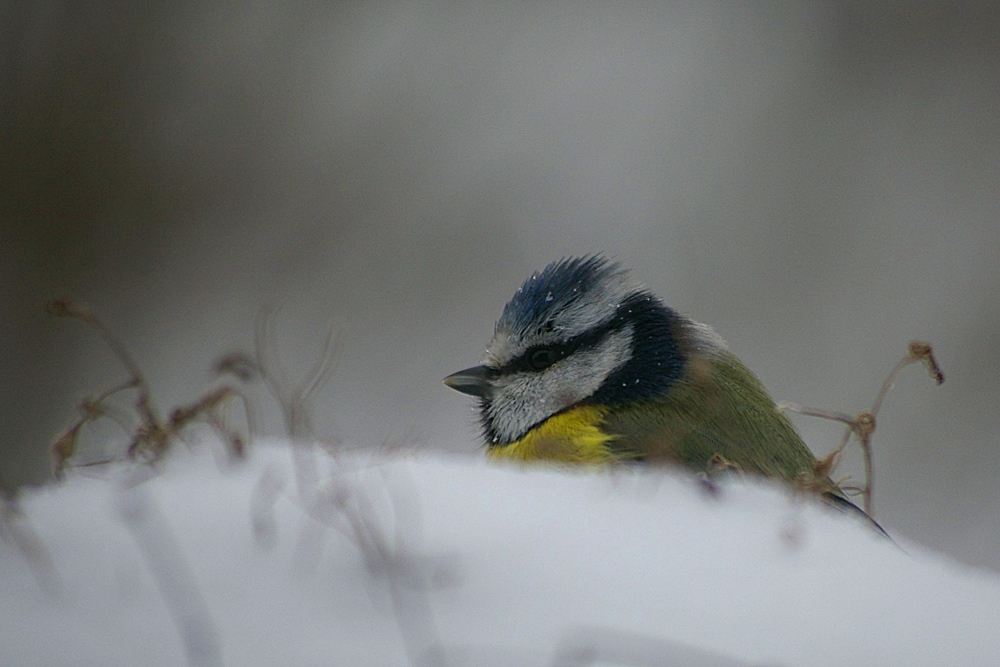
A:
(340, 501)
(144, 403)
(152, 436)
(863, 425)
(294, 404)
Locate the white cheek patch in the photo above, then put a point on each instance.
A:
(522, 400)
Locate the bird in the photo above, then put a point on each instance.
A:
(587, 366)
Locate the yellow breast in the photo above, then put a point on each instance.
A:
(574, 436)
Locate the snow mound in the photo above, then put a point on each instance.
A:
(294, 557)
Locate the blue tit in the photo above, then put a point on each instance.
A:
(587, 366)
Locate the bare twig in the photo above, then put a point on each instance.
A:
(151, 436)
(341, 501)
(270, 369)
(82, 312)
(863, 425)
(295, 403)
(321, 371)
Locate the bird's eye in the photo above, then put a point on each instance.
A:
(542, 358)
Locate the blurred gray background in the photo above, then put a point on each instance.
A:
(819, 181)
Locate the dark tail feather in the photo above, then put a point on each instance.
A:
(847, 507)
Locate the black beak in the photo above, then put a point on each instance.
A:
(473, 381)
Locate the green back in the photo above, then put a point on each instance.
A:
(718, 408)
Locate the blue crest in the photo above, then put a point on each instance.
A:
(548, 292)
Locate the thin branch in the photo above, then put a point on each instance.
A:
(321, 370)
(152, 436)
(82, 312)
(863, 425)
(815, 412)
(917, 352)
(270, 368)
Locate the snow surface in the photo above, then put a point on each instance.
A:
(409, 559)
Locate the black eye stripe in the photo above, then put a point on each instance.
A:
(559, 351)
(542, 357)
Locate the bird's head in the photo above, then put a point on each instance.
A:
(580, 331)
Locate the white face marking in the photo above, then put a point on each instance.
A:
(523, 399)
